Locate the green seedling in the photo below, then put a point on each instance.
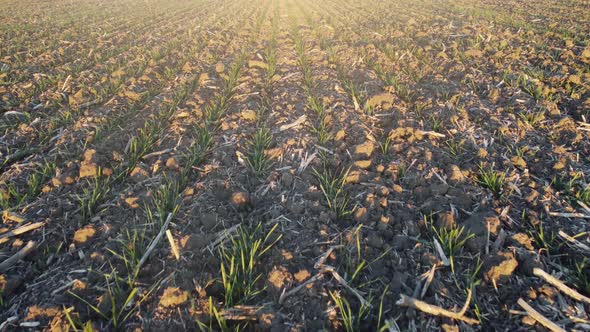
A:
(270, 55)
(239, 262)
(351, 321)
(532, 88)
(75, 323)
(93, 196)
(405, 92)
(353, 263)
(574, 188)
(131, 249)
(402, 170)
(140, 144)
(233, 75)
(257, 159)
(322, 131)
(455, 146)
(451, 239)
(213, 111)
(580, 276)
(545, 239)
(11, 197)
(165, 199)
(385, 146)
(387, 325)
(217, 322)
(316, 105)
(532, 119)
(197, 151)
(358, 97)
(491, 179)
(124, 301)
(39, 177)
(309, 84)
(583, 195)
(332, 186)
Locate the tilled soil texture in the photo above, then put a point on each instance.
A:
(294, 165)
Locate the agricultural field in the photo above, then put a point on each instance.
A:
(294, 165)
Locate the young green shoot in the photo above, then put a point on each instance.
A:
(351, 321)
(452, 239)
(165, 199)
(257, 158)
(239, 263)
(332, 186)
(93, 196)
(123, 300)
(491, 179)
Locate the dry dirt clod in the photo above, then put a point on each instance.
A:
(383, 100)
(278, 279)
(302, 275)
(446, 220)
(172, 163)
(138, 174)
(384, 223)
(353, 177)
(269, 321)
(402, 242)
(439, 189)
(429, 259)
(240, 200)
(455, 174)
(481, 224)
(248, 115)
(84, 234)
(88, 166)
(527, 262)
(522, 239)
(361, 215)
(196, 241)
(412, 227)
(257, 64)
(173, 297)
(221, 189)
(9, 285)
(287, 179)
(500, 267)
(374, 240)
(209, 220)
(364, 150)
(363, 164)
(518, 162)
